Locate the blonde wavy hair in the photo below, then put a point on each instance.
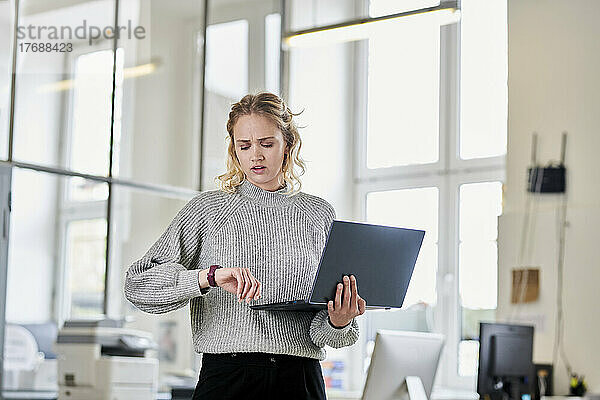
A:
(272, 107)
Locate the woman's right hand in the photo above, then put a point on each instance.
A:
(239, 281)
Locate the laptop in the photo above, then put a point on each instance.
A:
(382, 258)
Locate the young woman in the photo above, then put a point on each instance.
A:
(256, 238)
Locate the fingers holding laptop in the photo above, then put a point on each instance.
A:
(355, 300)
(347, 304)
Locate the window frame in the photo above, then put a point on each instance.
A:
(66, 215)
(68, 102)
(447, 174)
(67, 210)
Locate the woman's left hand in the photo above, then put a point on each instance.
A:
(347, 305)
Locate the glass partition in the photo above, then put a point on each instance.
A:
(132, 235)
(56, 271)
(6, 38)
(158, 96)
(226, 83)
(64, 85)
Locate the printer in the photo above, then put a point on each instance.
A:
(100, 360)
(29, 362)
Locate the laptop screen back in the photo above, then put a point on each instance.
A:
(381, 257)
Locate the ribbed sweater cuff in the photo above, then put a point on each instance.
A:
(334, 333)
(335, 327)
(188, 285)
(327, 332)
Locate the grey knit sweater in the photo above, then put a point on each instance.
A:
(279, 237)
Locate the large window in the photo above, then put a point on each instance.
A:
(480, 205)
(483, 60)
(415, 208)
(427, 152)
(431, 156)
(403, 76)
(82, 203)
(85, 250)
(226, 82)
(272, 52)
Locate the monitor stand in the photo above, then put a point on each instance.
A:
(412, 389)
(515, 389)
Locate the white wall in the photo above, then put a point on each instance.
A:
(554, 59)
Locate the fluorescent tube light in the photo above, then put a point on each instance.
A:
(130, 72)
(378, 8)
(363, 29)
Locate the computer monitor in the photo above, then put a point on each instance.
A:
(400, 355)
(505, 361)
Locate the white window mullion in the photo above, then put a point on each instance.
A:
(448, 311)
(361, 51)
(454, 314)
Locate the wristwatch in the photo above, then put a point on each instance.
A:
(211, 275)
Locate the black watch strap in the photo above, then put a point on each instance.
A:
(211, 275)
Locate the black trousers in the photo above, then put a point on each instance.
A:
(259, 376)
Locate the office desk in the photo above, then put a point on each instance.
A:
(50, 395)
(28, 395)
(586, 397)
(438, 393)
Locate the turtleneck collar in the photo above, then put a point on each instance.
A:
(258, 195)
